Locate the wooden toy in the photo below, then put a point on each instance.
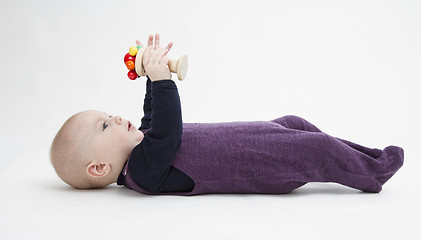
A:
(136, 55)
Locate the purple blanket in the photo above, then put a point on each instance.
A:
(276, 157)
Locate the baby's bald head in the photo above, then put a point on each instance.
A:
(71, 152)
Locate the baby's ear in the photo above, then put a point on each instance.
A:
(98, 169)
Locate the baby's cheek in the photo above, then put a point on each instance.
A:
(103, 147)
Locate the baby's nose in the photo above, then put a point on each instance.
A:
(118, 119)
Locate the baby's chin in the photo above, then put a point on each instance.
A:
(139, 136)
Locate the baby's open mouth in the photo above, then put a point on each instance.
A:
(129, 126)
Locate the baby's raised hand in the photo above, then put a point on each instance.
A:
(155, 60)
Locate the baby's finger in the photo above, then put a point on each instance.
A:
(169, 46)
(164, 60)
(156, 40)
(138, 43)
(146, 56)
(162, 52)
(150, 40)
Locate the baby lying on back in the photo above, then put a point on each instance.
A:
(165, 156)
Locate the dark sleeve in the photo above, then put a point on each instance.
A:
(151, 161)
(177, 181)
(147, 109)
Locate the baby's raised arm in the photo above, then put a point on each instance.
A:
(147, 110)
(151, 160)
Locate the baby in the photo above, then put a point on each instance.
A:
(166, 156)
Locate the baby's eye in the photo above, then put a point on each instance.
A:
(104, 126)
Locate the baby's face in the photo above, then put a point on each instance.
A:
(112, 137)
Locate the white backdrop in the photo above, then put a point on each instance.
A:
(350, 67)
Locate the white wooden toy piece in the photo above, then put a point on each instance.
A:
(176, 66)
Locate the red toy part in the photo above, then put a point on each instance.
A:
(129, 57)
(132, 75)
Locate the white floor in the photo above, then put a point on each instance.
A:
(350, 68)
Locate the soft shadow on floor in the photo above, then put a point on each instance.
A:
(325, 189)
(306, 190)
(113, 188)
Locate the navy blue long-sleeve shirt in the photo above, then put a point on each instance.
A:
(151, 160)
